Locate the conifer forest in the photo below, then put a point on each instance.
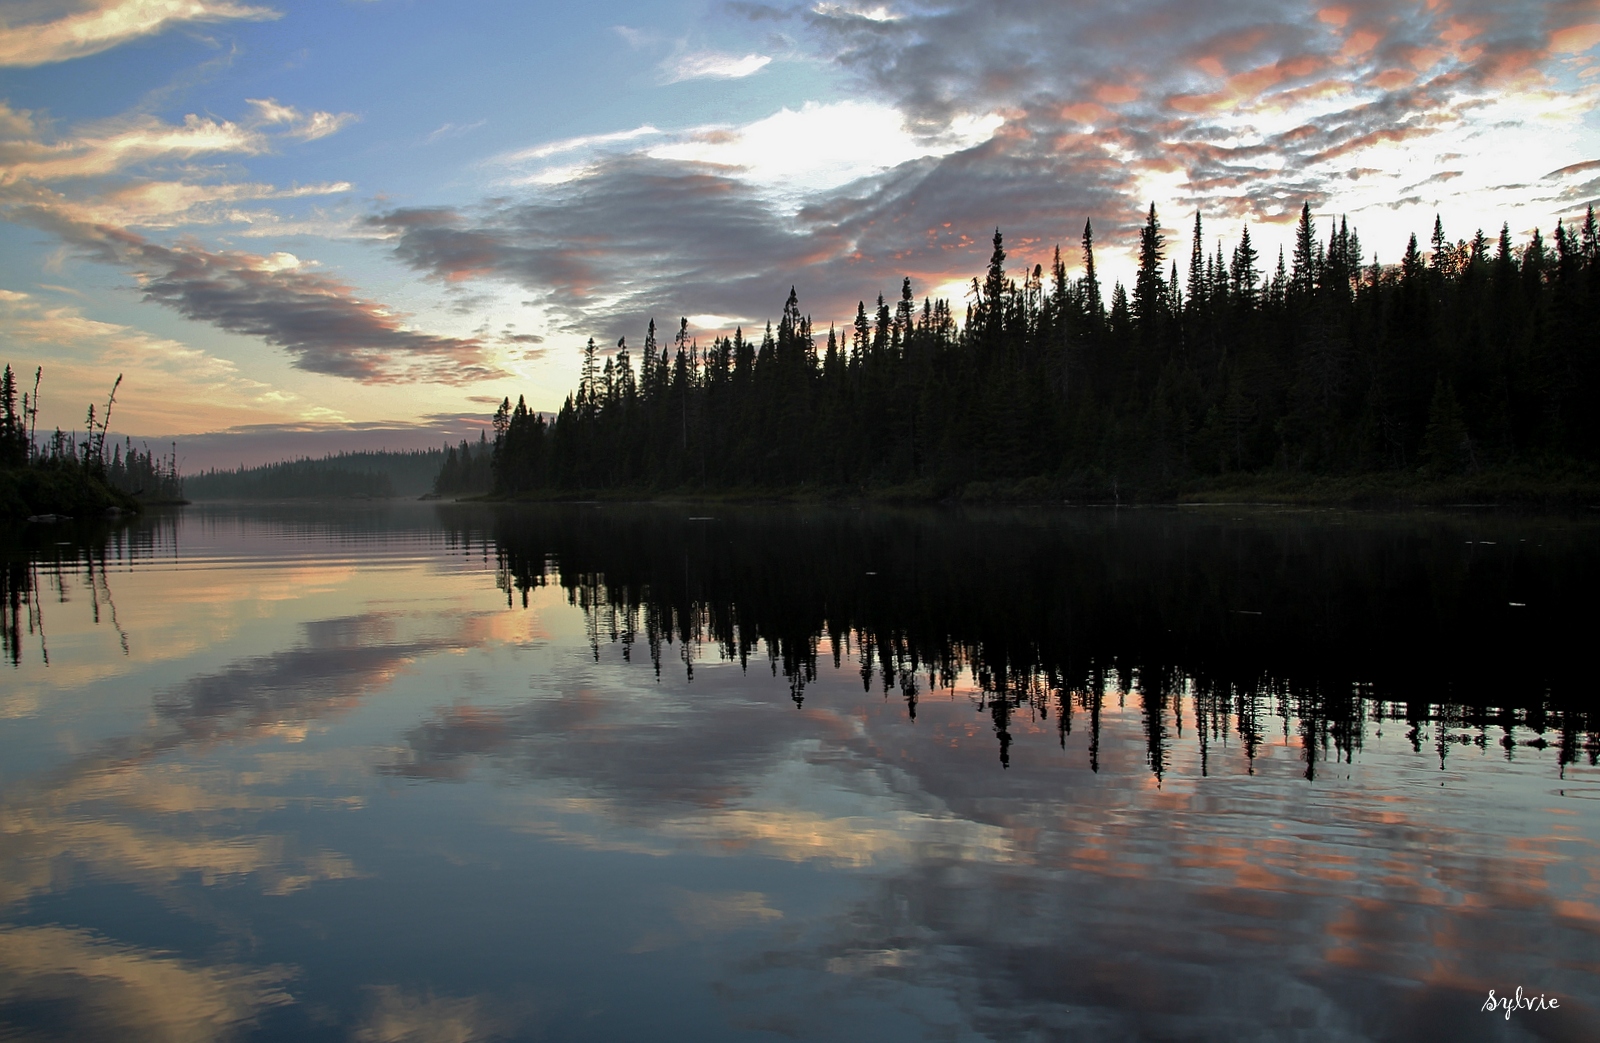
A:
(1468, 354)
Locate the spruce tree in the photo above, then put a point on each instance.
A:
(1093, 305)
(1304, 274)
(1149, 290)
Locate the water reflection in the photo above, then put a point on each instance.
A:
(617, 773)
(1326, 623)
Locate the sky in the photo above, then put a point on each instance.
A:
(345, 224)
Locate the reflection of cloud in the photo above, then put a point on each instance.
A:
(102, 24)
(738, 780)
(37, 840)
(152, 839)
(1126, 913)
(714, 912)
(341, 661)
(91, 988)
(1048, 899)
(402, 1016)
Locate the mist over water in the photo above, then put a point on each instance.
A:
(410, 771)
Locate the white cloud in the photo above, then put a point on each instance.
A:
(635, 38)
(166, 204)
(578, 144)
(114, 145)
(874, 13)
(108, 23)
(842, 141)
(122, 143)
(713, 65)
(453, 130)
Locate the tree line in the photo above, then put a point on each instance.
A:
(64, 474)
(375, 474)
(1469, 355)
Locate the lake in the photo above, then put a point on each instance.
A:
(432, 772)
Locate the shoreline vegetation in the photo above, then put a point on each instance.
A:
(1530, 488)
(67, 479)
(1465, 374)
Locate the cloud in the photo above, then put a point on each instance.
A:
(1033, 116)
(170, 386)
(763, 155)
(584, 143)
(452, 130)
(762, 152)
(720, 243)
(124, 143)
(728, 216)
(108, 23)
(318, 320)
(118, 144)
(709, 239)
(171, 204)
(713, 65)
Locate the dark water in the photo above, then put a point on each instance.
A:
(439, 773)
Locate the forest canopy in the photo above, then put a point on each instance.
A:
(1466, 355)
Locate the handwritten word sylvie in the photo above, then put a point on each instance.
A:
(1520, 1002)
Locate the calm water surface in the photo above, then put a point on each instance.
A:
(439, 773)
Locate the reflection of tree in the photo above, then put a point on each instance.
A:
(1328, 627)
(36, 559)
